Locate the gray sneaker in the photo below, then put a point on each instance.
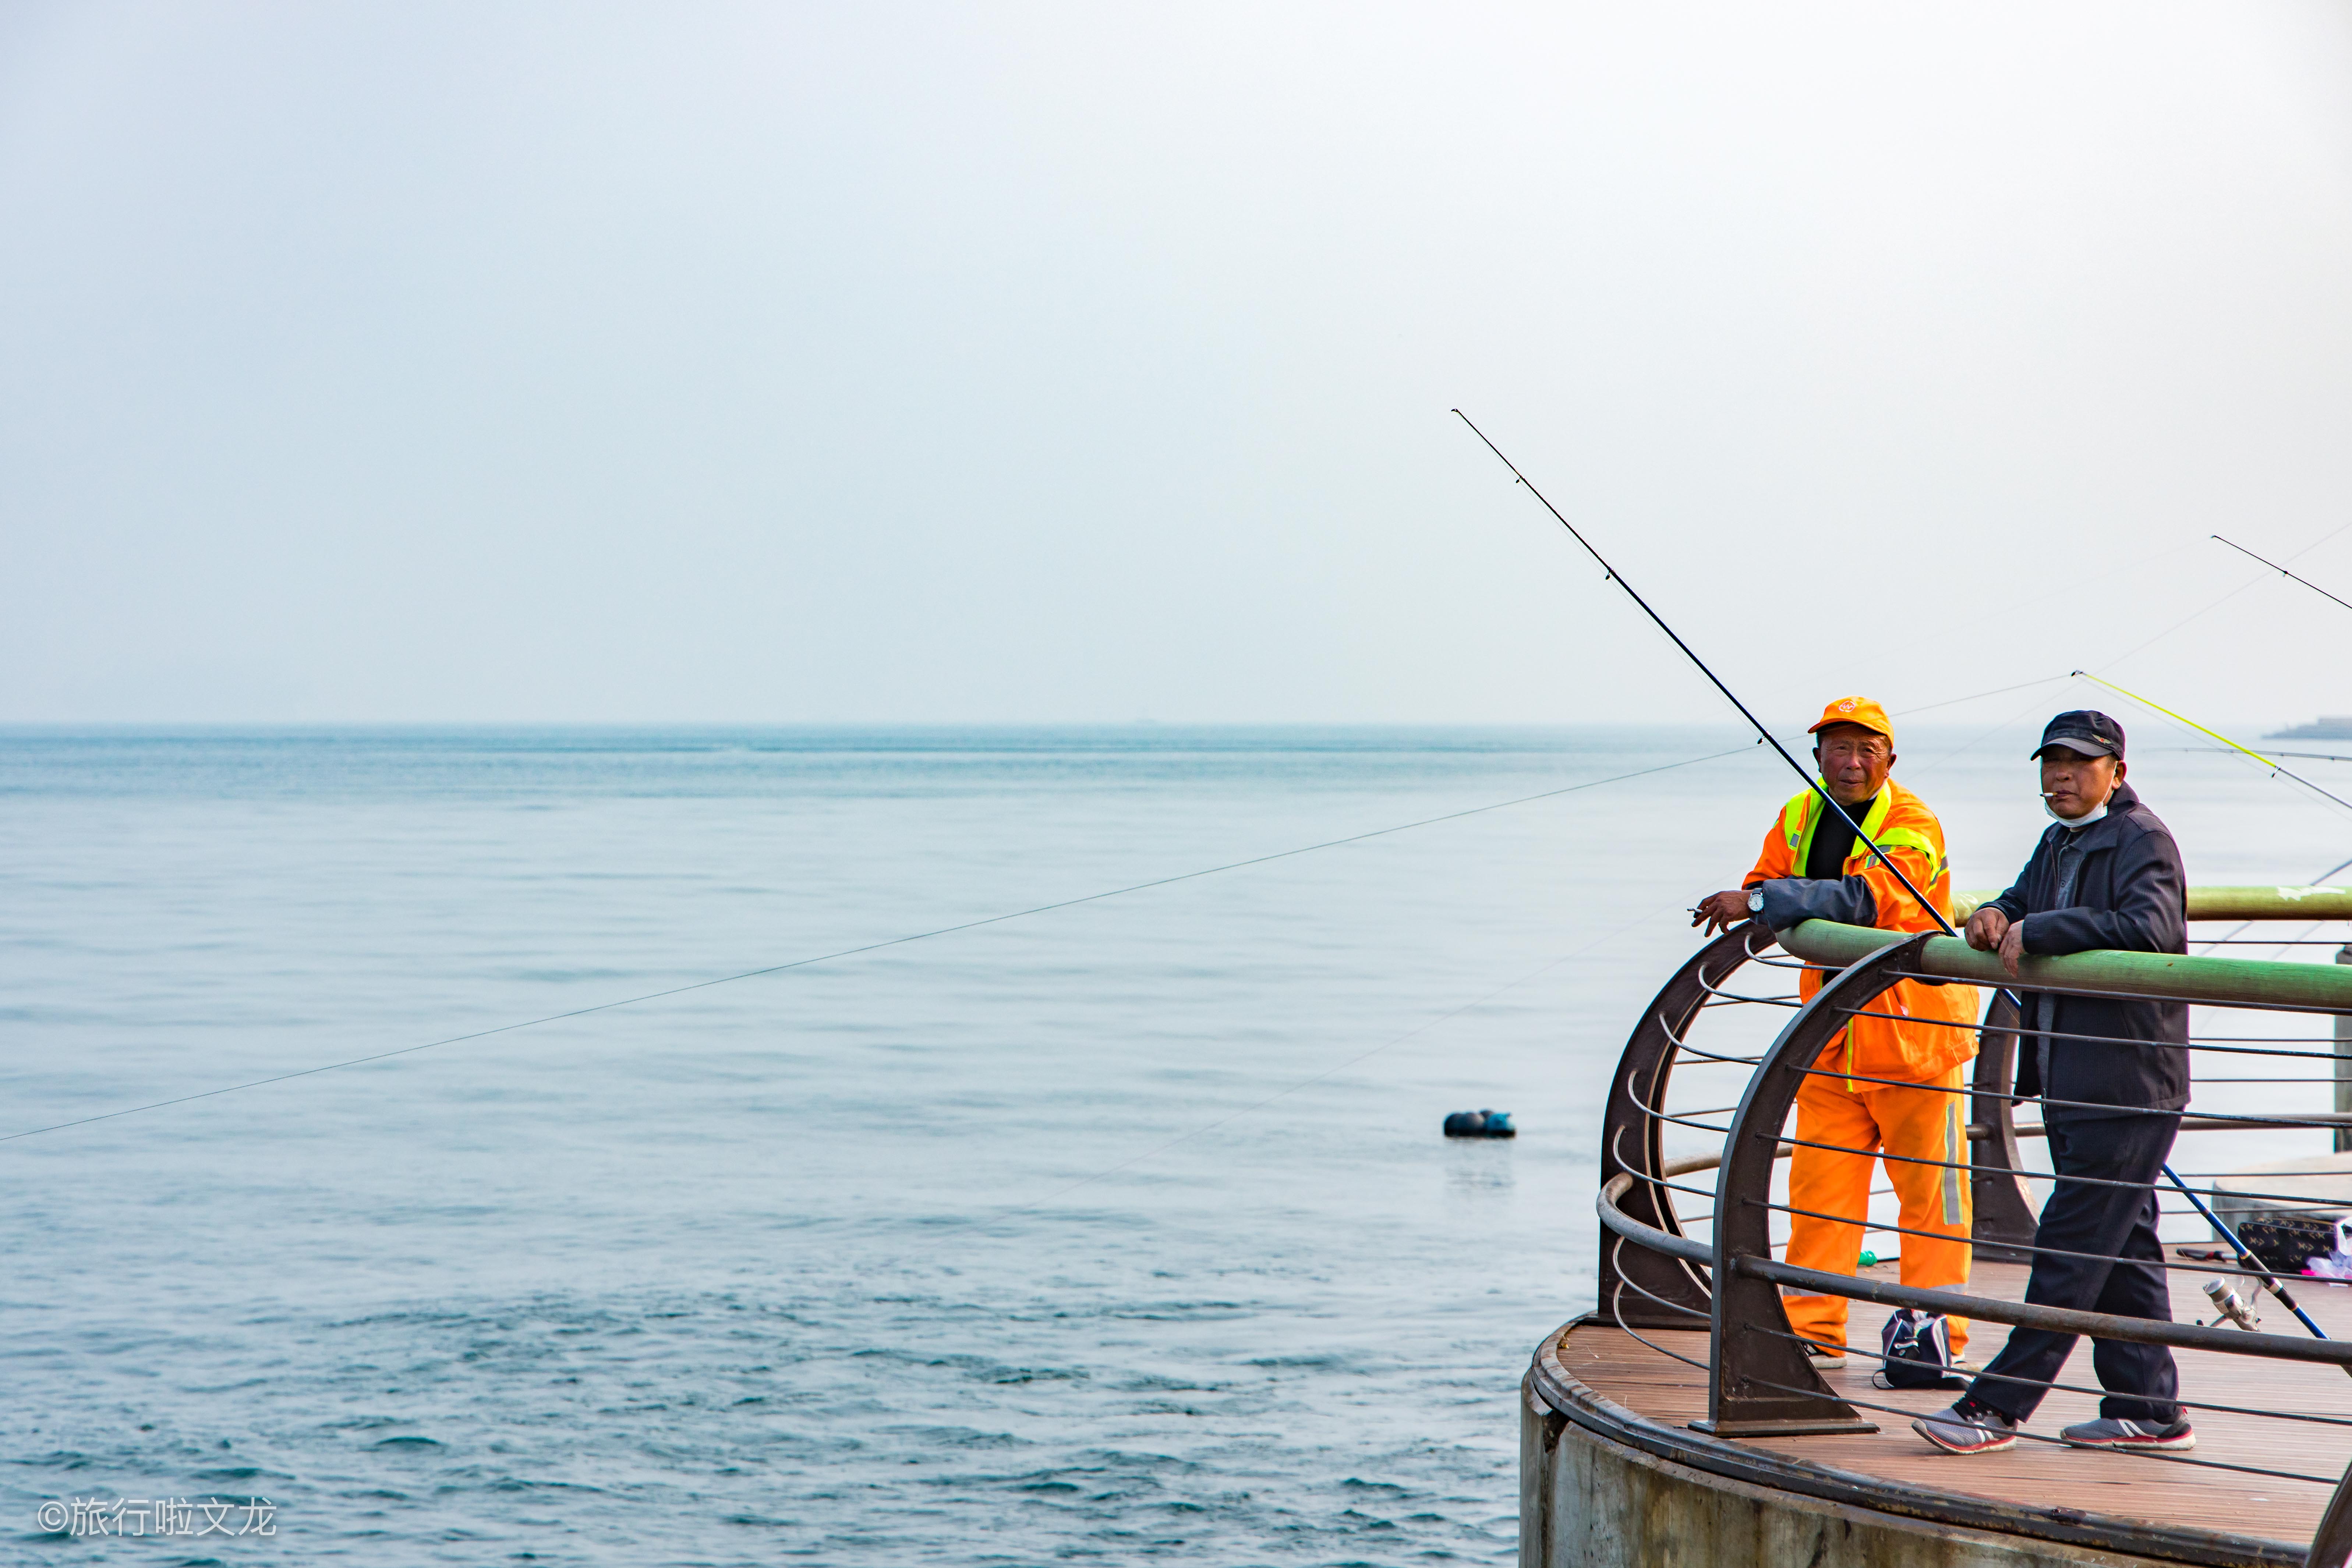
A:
(1967, 1427)
(1821, 1354)
(2106, 1432)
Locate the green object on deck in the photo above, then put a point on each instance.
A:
(2307, 987)
(2228, 904)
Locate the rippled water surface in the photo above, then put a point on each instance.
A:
(1119, 1231)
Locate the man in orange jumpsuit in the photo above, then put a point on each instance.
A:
(1884, 1084)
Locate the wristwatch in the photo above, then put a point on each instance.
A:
(1755, 900)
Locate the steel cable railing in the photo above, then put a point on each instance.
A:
(1655, 1276)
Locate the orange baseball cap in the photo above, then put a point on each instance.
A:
(1859, 711)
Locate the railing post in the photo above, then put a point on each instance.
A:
(2344, 1061)
(2331, 1543)
(2005, 1220)
(1631, 1145)
(1763, 1384)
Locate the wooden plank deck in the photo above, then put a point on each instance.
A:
(1617, 1367)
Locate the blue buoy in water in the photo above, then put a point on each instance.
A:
(1480, 1124)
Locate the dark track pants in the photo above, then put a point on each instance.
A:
(2117, 1222)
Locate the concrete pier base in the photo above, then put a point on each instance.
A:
(1587, 1502)
(1613, 1473)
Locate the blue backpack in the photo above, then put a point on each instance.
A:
(1918, 1350)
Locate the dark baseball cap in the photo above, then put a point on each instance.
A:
(2092, 733)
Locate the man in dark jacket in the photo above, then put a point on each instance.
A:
(2113, 1076)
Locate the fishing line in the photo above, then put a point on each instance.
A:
(1423, 1028)
(2182, 622)
(2307, 756)
(1811, 782)
(1343, 1067)
(868, 947)
(2302, 940)
(2282, 571)
(2222, 599)
(1934, 762)
(2216, 734)
(1996, 691)
(2078, 584)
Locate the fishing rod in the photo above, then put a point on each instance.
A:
(1812, 781)
(2247, 1261)
(2281, 571)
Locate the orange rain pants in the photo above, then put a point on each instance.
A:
(1926, 1122)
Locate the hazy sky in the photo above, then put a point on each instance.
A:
(698, 361)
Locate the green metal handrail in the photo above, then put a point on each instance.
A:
(2172, 976)
(2230, 903)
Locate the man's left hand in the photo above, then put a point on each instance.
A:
(2012, 947)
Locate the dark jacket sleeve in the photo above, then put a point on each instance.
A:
(2147, 912)
(1792, 901)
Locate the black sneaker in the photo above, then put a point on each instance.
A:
(1821, 1354)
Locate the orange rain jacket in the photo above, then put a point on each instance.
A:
(1885, 1048)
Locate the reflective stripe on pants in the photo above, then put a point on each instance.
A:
(1925, 1122)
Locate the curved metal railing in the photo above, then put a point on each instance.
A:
(1700, 1088)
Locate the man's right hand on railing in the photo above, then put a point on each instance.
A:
(1989, 931)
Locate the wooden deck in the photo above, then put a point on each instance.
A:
(2043, 1476)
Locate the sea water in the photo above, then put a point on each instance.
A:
(1120, 1231)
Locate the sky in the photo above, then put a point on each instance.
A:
(897, 364)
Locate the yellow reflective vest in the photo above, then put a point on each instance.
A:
(1896, 1047)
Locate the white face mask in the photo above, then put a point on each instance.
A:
(2089, 816)
(2084, 820)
